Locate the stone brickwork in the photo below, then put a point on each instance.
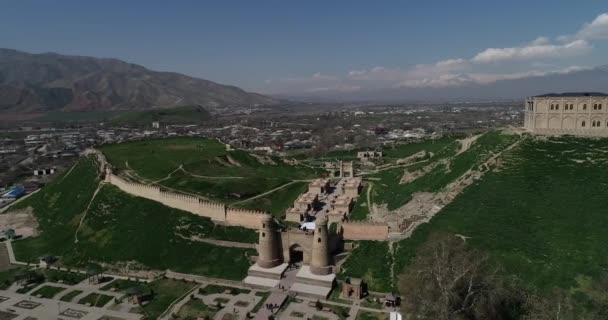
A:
(364, 231)
(195, 205)
(580, 114)
(244, 218)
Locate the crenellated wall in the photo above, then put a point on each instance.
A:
(244, 218)
(364, 231)
(216, 211)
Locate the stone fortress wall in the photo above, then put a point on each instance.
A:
(216, 211)
(356, 230)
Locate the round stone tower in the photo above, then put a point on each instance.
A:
(320, 249)
(268, 247)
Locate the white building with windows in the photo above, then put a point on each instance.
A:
(584, 114)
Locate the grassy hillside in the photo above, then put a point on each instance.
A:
(370, 261)
(208, 169)
(177, 115)
(279, 201)
(388, 189)
(542, 215)
(119, 227)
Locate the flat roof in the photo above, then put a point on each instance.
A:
(15, 192)
(572, 94)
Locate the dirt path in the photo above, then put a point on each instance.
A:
(424, 205)
(433, 204)
(269, 191)
(87, 210)
(466, 143)
(70, 171)
(221, 243)
(391, 251)
(209, 177)
(370, 206)
(181, 167)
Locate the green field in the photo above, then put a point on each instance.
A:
(119, 227)
(47, 292)
(65, 277)
(208, 169)
(541, 215)
(433, 146)
(165, 292)
(196, 309)
(70, 295)
(279, 201)
(96, 300)
(370, 261)
(360, 210)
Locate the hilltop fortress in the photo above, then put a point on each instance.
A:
(581, 114)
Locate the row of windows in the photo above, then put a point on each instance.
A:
(570, 106)
(594, 124)
(566, 106)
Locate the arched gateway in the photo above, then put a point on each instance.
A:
(277, 250)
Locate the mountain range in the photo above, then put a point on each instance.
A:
(586, 80)
(31, 83)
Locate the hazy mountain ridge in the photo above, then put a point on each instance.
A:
(51, 81)
(589, 80)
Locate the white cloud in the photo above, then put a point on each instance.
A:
(540, 41)
(532, 51)
(596, 30)
(337, 87)
(354, 73)
(532, 59)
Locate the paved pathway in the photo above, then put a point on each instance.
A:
(52, 308)
(327, 199)
(278, 295)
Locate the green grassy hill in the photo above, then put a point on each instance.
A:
(208, 169)
(540, 214)
(119, 227)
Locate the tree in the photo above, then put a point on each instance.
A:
(448, 280)
(94, 272)
(555, 306)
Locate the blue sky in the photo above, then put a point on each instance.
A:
(312, 46)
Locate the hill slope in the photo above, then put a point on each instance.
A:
(49, 82)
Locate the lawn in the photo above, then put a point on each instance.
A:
(212, 289)
(371, 261)
(221, 189)
(65, 277)
(360, 210)
(96, 300)
(121, 285)
(58, 208)
(70, 295)
(118, 227)
(47, 291)
(9, 276)
(201, 159)
(366, 315)
(405, 150)
(279, 201)
(541, 215)
(165, 291)
(196, 309)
